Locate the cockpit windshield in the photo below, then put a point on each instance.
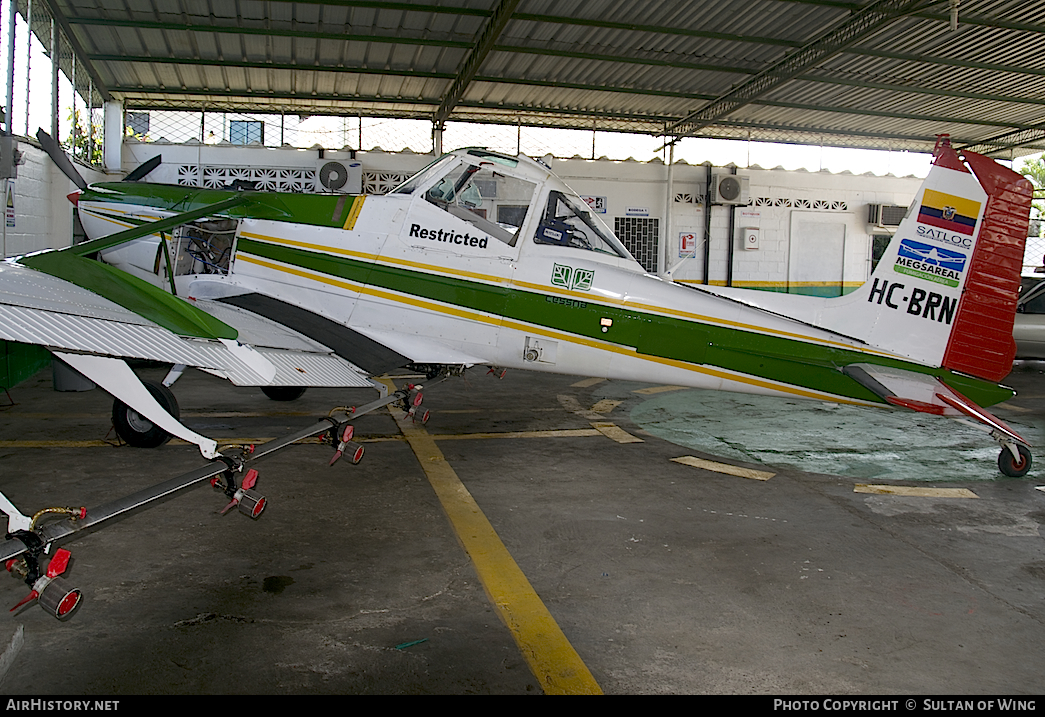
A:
(433, 169)
(567, 221)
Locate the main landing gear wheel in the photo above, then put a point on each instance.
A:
(283, 393)
(137, 430)
(1008, 464)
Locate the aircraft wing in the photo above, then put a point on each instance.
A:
(38, 308)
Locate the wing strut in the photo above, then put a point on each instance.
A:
(116, 377)
(155, 227)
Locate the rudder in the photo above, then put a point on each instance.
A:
(981, 342)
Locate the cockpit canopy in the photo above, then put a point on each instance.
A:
(499, 194)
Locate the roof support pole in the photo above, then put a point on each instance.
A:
(707, 223)
(112, 137)
(28, 58)
(437, 140)
(10, 67)
(666, 235)
(54, 80)
(731, 240)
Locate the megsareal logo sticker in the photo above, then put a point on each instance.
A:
(569, 278)
(950, 212)
(929, 262)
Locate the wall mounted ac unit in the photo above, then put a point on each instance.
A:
(728, 188)
(885, 215)
(341, 177)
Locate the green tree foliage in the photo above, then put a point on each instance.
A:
(1034, 170)
(87, 142)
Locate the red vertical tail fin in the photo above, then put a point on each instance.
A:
(981, 342)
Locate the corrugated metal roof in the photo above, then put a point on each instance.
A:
(881, 74)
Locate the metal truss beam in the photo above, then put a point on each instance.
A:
(471, 64)
(861, 24)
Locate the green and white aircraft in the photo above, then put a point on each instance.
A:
(483, 258)
(487, 259)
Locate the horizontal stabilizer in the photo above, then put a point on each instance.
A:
(926, 394)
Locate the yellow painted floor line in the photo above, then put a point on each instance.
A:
(54, 444)
(184, 414)
(605, 406)
(552, 659)
(907, 490)
(658, 389)
(587, 382)
(618, 435)
(563, 433)
(612, 430)
(723, 468)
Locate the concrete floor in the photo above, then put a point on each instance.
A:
(665, 578)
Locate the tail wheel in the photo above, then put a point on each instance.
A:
(283, 393)
(1011, 467)
(137, 430)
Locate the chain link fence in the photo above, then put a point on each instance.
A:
(1034, 255)
(390, 135)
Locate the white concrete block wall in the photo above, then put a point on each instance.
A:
(845, 195)
(229, 155)
(43, 216)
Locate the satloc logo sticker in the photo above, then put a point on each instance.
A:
(950, 212)
(570, 278)
(932, 263)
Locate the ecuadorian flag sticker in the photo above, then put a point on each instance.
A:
(949, 212)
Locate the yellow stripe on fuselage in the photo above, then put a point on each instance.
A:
(353, 213)
(472, 315)
(548, 289)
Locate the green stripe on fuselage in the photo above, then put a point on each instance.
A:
(798, 363)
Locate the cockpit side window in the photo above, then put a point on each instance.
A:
(567, 223)
(493, 202)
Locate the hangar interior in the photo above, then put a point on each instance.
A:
(932, 593)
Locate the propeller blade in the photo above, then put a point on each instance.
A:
(54, 151)
(143, 169)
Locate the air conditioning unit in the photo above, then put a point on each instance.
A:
(728, 188)
(341, 177)
(885, 215)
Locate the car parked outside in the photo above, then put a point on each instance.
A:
(1029, 327)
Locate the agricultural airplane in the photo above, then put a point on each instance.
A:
(487, 259)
